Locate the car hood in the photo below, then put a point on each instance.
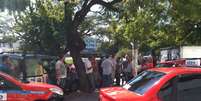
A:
(39, 86)
(119, 94)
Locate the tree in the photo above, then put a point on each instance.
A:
(41, 28)
(45, 20)
(13, 6)
(75, 44)
(144, 22)
(186, 15)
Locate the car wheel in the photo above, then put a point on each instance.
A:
(56, 99)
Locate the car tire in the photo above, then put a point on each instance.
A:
(56, 99)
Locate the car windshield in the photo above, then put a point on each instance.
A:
(144, 81)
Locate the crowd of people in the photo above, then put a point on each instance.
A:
(101, 72)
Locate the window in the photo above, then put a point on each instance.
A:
(144, 81)
(7, 85)
(166, 92)
(189, 87)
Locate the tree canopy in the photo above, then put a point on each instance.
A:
(41, 27)
(156, 24)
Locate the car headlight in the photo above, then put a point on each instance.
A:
(57, 91)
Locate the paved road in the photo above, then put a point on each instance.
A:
(81, 97)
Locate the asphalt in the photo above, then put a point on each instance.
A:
(80, 96)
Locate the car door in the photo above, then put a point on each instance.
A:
(9, 91)
(168, 91)
(189, 87)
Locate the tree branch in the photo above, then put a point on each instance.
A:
(81, 14)
(109, 5)
(86, 32)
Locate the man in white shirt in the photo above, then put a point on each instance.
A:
(89, 72)
(61, 72)
(107, 66)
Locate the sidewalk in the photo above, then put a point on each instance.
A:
(80, 96)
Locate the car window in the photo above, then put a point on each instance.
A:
(144, 81)
(166, 91)
(189, 87)
(7, 85)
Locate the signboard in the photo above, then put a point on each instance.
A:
(164, 55)
(91, 43)
(174, 54)
(195, 62)
(190, 52)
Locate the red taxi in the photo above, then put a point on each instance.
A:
(12, 89)
(172, 63)
(158, 84)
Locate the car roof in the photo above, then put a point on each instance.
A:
(177, 70)
(172, 61)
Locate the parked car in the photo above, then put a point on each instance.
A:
(12, 89)
(30, 67)
(172, 63)
(158, 84)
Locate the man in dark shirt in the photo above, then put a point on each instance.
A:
(6, 66)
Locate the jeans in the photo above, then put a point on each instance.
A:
(91, 81)
(107, 80)
(62, 83)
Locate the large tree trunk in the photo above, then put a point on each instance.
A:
(75, 44)
(74, 41)
(80, 67)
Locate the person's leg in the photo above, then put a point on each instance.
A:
(104, 81)
(118, 79)
(62, 83)
(92, 82)
(89, 82)
(110, 80)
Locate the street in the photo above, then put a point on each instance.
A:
(81, 96)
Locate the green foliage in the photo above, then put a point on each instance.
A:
(155, 24)
(144, 23)
(123, 52)
(186, 15)
(8, 39)
(41, 27)
(187, 9)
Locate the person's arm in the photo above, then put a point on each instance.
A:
(58, 70)
(89, 65)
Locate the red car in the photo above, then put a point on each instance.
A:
(172, 63)
(12, 89)
(158, 84)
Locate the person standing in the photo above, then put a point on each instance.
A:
(118, 71)
(89, 72)
(114, 64)
(61, 73)
(128, 69)
(96, 74)
(6, 65)
(107, 67)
